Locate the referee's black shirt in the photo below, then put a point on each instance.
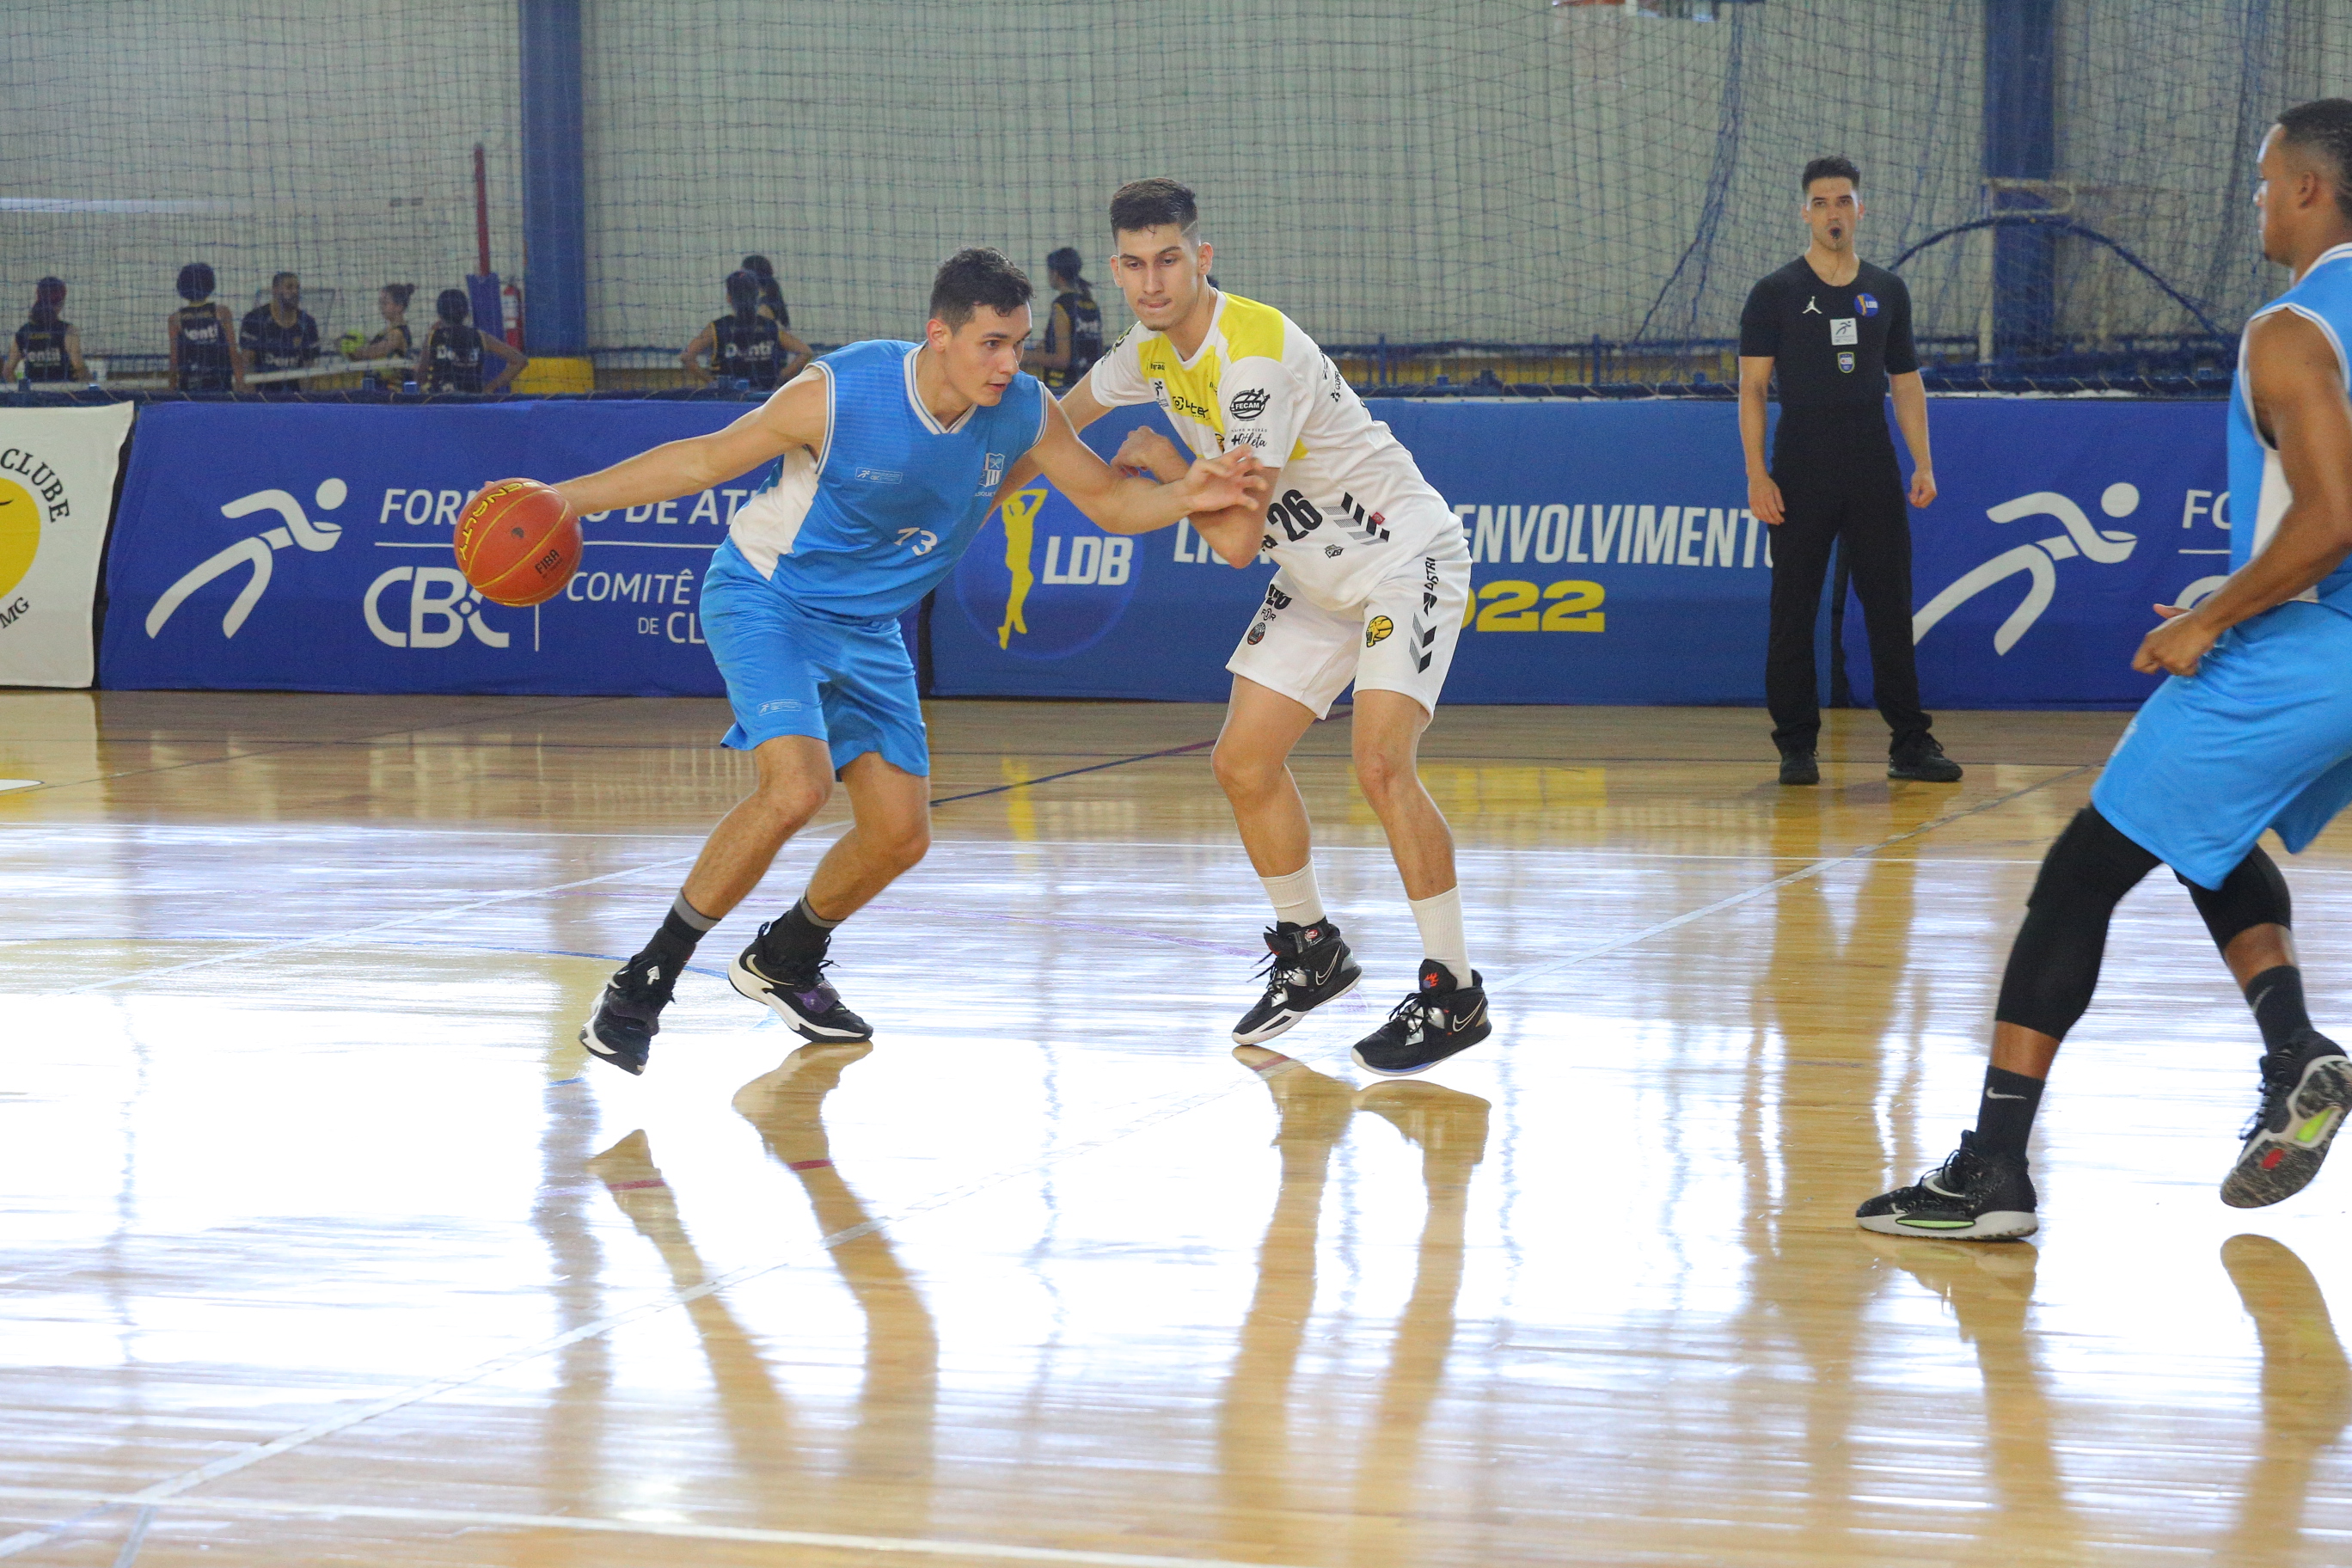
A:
(1832, 347)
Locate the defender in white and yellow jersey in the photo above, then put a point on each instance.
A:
(1372, 582)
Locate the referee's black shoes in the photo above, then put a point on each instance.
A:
(1922, 759)
(1800, 768)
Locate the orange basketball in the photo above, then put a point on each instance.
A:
(517, 542)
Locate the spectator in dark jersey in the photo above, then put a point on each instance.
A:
(205, 355)
(1074, 335)
(47, 348)
(743, 344)
(279, 335)
(451, 359)
(394, 343)
(771, 293)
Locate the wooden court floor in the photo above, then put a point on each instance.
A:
(322, 1242)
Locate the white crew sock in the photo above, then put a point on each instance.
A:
(1440, 920)
(1295, 897)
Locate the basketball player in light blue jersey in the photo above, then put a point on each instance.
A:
(2252, 732)
(892, 455)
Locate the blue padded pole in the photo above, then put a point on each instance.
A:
(555, 180)
(2020, 142)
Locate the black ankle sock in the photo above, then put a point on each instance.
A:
(2276, 996)
(799, 932)
(2005, 1114)
(681, 932)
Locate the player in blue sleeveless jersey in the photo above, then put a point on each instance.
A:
(2252, 732)
(892, 456)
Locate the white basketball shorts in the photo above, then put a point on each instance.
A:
(1400, 638)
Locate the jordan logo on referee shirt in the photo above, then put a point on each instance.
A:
(1810, 307)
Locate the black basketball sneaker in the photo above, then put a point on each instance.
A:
(1971, 1195)
(1441, 1019)
(2306, 1092)
(628, 1015)
(798, 990)
(1306, 966)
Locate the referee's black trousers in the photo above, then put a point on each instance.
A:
(1842, 484)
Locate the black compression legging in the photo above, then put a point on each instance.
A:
(2054, 965)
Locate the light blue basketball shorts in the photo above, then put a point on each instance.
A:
(847, 683)
(2260, 737)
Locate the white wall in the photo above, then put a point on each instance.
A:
(1480, 169)
(334, 141)
(1470, 169)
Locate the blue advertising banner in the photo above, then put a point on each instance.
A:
(307, 547)
(1616, 561)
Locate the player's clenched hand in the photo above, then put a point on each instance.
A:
(1215, 484)
(1923, 487)
(1764, 497)
(2176, 645)
(1147, 453)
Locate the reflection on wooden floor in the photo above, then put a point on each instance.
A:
(322, 1243)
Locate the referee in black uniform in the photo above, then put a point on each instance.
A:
(1839, 329)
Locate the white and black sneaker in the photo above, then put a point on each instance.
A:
(1972, 1195)
(1306, 966)
(1441, 1017)
(2306, 1092)
(798, 990)
(628, 1015)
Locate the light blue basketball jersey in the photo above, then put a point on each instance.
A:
(863, 529)
(2258, 489)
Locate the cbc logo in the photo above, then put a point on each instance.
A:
(441, 609)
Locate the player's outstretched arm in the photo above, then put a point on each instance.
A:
(1237, 532)
(1078, 405)
(794, 417)
(2297, 385)
(1131, 504)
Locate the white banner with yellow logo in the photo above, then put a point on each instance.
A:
(57, 491)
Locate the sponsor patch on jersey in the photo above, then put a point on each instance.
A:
(1257, 633)
(1844, 330)
(1275, 599)
(1866, 303)
(1376, 629)
(991, 473)
(881, 476)
(1250, 402)
(1845, 362)
(1254, 439)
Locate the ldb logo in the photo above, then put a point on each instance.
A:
(1043, 580)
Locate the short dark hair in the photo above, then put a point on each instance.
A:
(452, 306)
(1830, 168)
(2325, 125)
(195, 281)
(975, 276)
(278, 278)
(1147, 203)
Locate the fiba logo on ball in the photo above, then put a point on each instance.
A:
(1042, 580)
